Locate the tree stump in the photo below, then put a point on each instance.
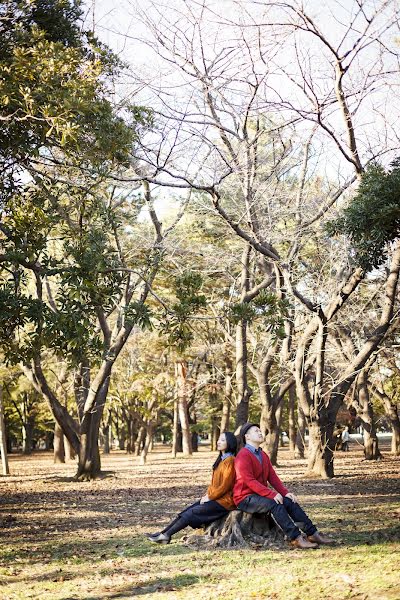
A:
(239, 530)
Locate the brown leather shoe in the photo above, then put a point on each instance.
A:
(320, 538)
(303, 543)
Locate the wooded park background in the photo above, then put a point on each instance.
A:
(206, 237)
(199, 227)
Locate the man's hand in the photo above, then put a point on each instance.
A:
(279, 499)
(204, 499)
(291, 497)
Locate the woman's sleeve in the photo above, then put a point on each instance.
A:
(226, 482)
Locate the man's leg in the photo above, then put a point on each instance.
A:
(260, 504)
(297, 514)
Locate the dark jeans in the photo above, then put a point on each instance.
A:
(284, 514)
(198, 514)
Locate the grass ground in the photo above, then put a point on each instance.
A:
(62, 540)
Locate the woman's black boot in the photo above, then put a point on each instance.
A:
(164, 537)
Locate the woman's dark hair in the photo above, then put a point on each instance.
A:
(231, 446)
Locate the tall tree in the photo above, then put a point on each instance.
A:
(65, 277)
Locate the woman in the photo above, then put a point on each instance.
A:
(216, 503)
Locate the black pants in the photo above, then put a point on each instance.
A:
(284, 514)
(198, 514)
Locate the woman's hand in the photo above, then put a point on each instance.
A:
(204, 499)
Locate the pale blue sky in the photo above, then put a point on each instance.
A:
(116, 24)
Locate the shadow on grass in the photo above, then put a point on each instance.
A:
(78, 552)
(387, 535)
(73, 479)
(164, 584)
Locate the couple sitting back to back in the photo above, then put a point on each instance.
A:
(242, 482)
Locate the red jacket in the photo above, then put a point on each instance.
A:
(253, 478)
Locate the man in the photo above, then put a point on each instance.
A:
(251, 492)
(345, 439)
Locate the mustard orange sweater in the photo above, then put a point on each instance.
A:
(221, 487)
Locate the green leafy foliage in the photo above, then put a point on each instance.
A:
(19, 312)
(266, 307)
(60, 136)
(58, 19)
(176, 324)
(54, 94)
(372, 219)
(79, 257)
(138, 314)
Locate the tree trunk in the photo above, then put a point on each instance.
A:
(268, 421)
(47, 441)
(321, 447)
(133, 434)
(140, 440)
(366, 413)
(301, 432)
(122, 439)
(27, 436)
(279, 414)
(3, 442)
(59, 451)
(89, 457)
(226, 403)
(292, 421)
(371, 446)
(195, 437)
(244, 392)
(215, 431)
(70, 453)
(392, 414)
(147, 443)
(396, 438)
(106, 433)
(181, 372)
(179, 443)
(195, 441)
(89, 465)
(175, 430)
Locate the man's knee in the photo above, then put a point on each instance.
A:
(287, 502)
(278, 508)
(256, 504)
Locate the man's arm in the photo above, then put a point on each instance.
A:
(274, 479)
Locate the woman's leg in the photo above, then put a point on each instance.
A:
(202, 514)
(194, 516)
(180, 522)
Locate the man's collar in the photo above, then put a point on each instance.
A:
(253, 449)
